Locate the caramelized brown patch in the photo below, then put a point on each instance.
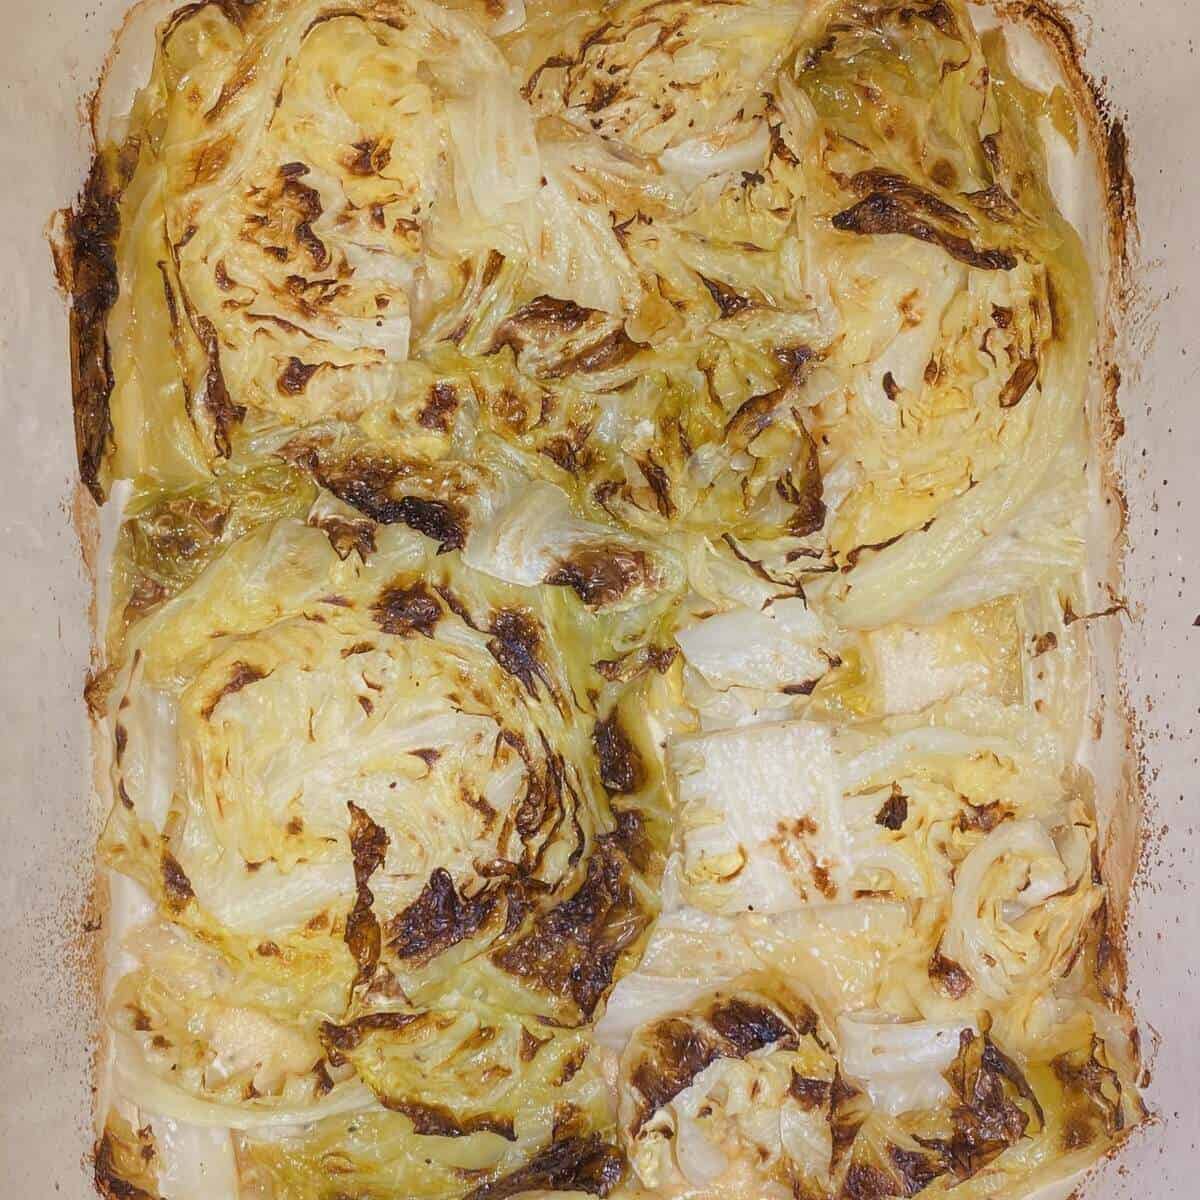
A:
(295, 376)
(575, 1163)
(438, 919)
(995, 1109)
(221, 409)
(177, 888)
(436, 1120)
(87, 268)
(242, 675)
(621, 767)
(573, 949)
(369, 845)
(614, 349)
(1092, 1095)
(438, 411)
(729, 301)
(894, 811)
(1021, 380)
(882, 213)
(602, 575)
(516, 645)
(678, 1051)
(347, 535)
(810, 1094)
(403, 609)
(948, 977)
(751, 418)
(113, 1171)
(365, 482)
(541, 320)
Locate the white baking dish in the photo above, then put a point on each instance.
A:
(50, 55)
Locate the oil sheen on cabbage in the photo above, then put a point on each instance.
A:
(595, 665)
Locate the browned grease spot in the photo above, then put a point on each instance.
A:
(1019, 382)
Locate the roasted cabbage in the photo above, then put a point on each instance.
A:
(592, 671)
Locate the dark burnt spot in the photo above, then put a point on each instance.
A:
(891, 389)
(369, 846)
(1092, 1097)
(995, 1107)
(747, 1026)
(221, 409)
(602, 574)
(1044, 642)
(847, 1112)
(554, 62)
(803, 488)
(660, 485)
(540, 321)
(940, 16)
(856, 552)
(881, 213)
(917, 1169)
(242, 675)
(516, 645)
(347, 535)
(1019, 382)
(340, 1040)
(572, 949)
(621, 767)
(894, 811)
(403, 609)
(752, 417)
(982, 818)
(438, 919)
(728, 301)
(438, 411)
(295, 376)
(120, 741)
(866, 1182)
(435, 1120)
(614, 349)
(369, 158)
(568, 450)
(531, 1044)
(435, 519)
(110, 1173)
(878, 180)
(629, 666)
(324, 1083)
(794, 360)
(582, 1163)
(949, 977)
(677, 1052)
(87, 269)
(177, 888)
(491, 268)
(365, 482)
(810, 1094)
